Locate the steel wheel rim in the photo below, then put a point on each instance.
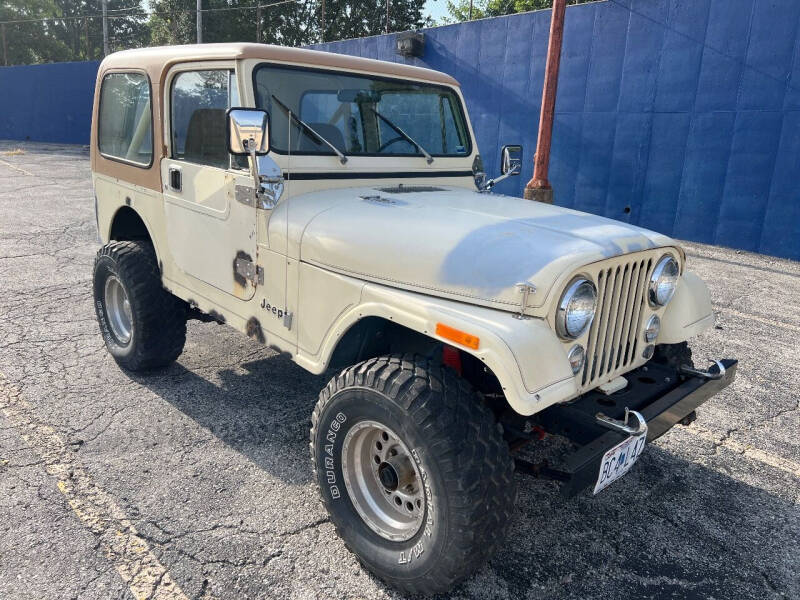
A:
(372, 457)
(118, 310)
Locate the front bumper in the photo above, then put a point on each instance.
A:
(662, 395)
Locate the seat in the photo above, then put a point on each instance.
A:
(309, 143)
(205, 138)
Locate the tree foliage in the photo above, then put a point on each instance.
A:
(71, 30)
(459, 9)
(67, 34)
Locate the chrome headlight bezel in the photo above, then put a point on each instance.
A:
(663, 268)
(577, 358)
(575, 286)
(652, 329)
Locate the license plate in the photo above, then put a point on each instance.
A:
(619, 460)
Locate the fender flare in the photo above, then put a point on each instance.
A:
(105, 235)
(524, 354)
(688, 313)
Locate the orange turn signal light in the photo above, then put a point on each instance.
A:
(457, 336)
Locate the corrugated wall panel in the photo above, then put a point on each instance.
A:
(49, 103)
(678, 115)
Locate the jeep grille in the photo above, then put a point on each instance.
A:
(613, 339)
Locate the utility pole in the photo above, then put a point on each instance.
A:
(5, 45)
(199, 21)
(105, 28)
(538, 188)
(470, 10)
(258, 22)
(322, 34)
(388, 4)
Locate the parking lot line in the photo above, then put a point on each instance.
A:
(144, 574)
(764, 320)
(761, 456)
(16, 168)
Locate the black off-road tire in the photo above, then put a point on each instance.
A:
(459, 450)
(674, 355)
(158, 318)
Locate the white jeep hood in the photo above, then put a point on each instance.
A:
(460, 244)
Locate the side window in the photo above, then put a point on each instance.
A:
(124, 125)
(199, 100)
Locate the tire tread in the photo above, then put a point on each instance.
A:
(160, 316)
(474, 458)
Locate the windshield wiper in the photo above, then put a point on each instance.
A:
(307, 127)
(428, 157)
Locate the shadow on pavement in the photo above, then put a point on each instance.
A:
(670, 528)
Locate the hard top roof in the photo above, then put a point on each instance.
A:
(158, 59)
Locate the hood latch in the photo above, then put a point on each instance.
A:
(526, 289)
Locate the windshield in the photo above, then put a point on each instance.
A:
(359, 114)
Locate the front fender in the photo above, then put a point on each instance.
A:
(524, 354)
(688, 313)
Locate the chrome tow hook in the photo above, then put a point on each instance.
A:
(687, 370)
(622, 426)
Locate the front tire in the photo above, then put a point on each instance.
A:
(413, 470)
(143, 325)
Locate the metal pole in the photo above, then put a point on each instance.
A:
(388, 4)
(5, 46)
(322, 34)
(538, 188)
(106, 51)
(199, 21)
(470, 10)
(258, 22)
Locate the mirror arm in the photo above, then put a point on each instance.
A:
(490, 183)
(251, 147)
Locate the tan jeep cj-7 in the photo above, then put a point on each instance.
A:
(336, 209)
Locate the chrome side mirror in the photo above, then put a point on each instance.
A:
(248, 131)
(510, 165)
(248, 135)
(511, 160)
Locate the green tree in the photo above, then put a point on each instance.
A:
(284, 23)
(38, 31)
(459, 9)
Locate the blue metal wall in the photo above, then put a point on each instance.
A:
(681, 116)
(678, 115)
(47, 103)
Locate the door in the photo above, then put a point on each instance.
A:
(212, 235)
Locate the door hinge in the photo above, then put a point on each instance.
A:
(287, 320)
(250, 271)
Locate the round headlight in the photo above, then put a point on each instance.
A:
(651, 329)
(576, 308)
(576, 357)
(663, 281)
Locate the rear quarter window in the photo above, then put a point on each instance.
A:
(125, 122)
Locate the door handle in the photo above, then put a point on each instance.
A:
(175, 178)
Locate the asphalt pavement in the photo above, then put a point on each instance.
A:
(195, 481)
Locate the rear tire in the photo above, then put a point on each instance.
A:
(143, 325)
(449, 467)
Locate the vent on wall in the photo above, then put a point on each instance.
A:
(410, 43)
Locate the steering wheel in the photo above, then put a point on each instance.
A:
(399, 138)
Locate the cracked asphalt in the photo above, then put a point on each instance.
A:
(194, 482)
